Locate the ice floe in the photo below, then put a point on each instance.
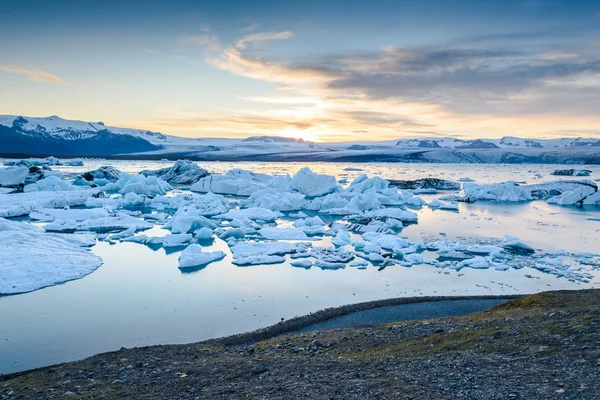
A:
(193, 256)
(13, 176)
(139, 184)
(572, 172)
(183, 172)
(20, 204)
(254, 253)
(44, 259)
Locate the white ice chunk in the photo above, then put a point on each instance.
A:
(513, 242)
(176, 239)
(43, 259)
(302, 263)
(342, 238)
(188, 219)
(386, 241)
(313, 185)
(139, 184)
(273, 233)
(253, 213)
(13, 176)
(75, 214)
(183, 172)
(51, 183)
(193, 256)
(19, 204)
(203, 234)
(261, 252)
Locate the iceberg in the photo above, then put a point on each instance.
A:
(188, 220)
(103, 174)
(183, 172)
(253, 253)
(426, 183)
(301, 263)
(193, 256)
(44, 259)
(51, 183)
(572, 172)
(252, 213)
(273, 233)
(13, 176)
(514, 243)
(386, 241)
(310, 184)
(238, 182)
(507, 191)
(176, 239)
(139, 184)
(20, 204)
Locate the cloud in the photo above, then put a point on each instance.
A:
(466, 89)
(261, 37)
(209, 42)
(34, 75)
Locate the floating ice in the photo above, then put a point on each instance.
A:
(443, 206)
(139, 184)
(238, 182)
(76, 214)
(252, 213)
(203, 234)
(342, 238)
(273, 233)
(426, 183)
(176, 239)
(103, 175)
(275, 200)
(301, 263)
(253, 253)
(19, 204)
(386, 241)
(44, 259)
(508, 191)
(193, 256)
(572, 172)
(51, 183)
(13, 176)
(313, 185)
(514, 243)
(189, 219)
(183, 172)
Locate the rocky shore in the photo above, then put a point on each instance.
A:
(543, 346)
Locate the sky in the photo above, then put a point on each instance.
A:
(324, 70)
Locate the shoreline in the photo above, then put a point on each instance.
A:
(291, 325)
(534, 347)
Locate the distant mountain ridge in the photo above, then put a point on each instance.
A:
(57, 136)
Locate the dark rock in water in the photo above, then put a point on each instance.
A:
(183, 172)
(572, 172)
(109, 173)
(426, 183)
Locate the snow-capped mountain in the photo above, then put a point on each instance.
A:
(57, 136)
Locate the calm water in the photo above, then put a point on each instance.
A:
(139, 296)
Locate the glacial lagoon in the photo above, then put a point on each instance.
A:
(139, 296)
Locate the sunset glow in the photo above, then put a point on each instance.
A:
(384, 71)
